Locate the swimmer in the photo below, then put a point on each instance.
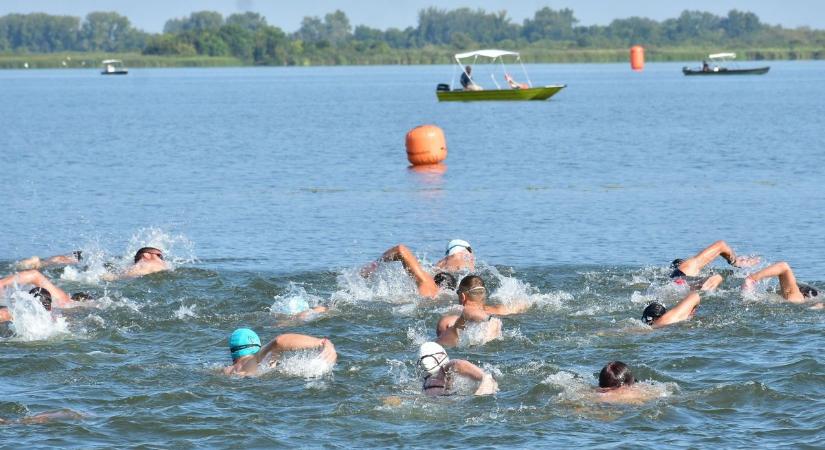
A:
(617, 385)
(789, 288)
(472, 295)
(297, 308)
(33, 277)
(459, 256)
(148, 260)
(428, 286)
(247, 353)
(440, 372)
(687, 270)
(59, 260)
(44, 417)
(657, 316)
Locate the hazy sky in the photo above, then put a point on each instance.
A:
(150, 15)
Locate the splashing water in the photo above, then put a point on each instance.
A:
(186, 311)
(31, 320)
(294, 301)
(303, 364)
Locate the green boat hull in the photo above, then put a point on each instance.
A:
(535, 93)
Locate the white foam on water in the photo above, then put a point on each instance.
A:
(389, 282)
(304, 364)
(514, 292)
(31, 320)
(186, 311)
(479, 333)
(294, 301)
(418, 335)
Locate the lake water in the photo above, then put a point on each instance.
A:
(266, 184)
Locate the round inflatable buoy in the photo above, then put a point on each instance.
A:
(637, 58)
(426, 145)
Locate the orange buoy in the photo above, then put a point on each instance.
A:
(426, 145)
(637, 58)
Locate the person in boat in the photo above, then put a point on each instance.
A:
(247, 352)
(458, 256)
(657, 316)
(148, 260)
(472, 296)
(428, 285)
(440, 372)
(467, 81)
(36, 262)
(789, 288)
(686, 271)
(705, 66)
(513, 83)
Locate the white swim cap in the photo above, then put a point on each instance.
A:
(431, 357)
(458, 245)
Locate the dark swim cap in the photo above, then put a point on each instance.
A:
(653, 312)
(807, 291)
(44, 296)
(676, 262)
(444, 280)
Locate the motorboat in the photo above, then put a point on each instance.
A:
(503, 85)
(113, 67)
(717, 66)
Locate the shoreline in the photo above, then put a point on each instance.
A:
(427, 56)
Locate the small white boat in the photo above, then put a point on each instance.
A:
(113, 67)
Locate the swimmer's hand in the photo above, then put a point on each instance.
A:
(749, 285)
(29, 263)
(328, 353)
(488, 385)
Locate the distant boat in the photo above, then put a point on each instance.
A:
(716, 67)
(512, 90)
(113, 67)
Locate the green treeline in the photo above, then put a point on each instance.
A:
(550, 35)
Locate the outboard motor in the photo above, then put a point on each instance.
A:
(443, 87)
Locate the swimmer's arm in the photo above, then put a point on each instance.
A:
(36, 278)
(487, 384)
(5, 315)
(290, 342)
(424, 281)
(681, 311)
(506, 310)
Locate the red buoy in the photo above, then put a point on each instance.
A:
(637, 58)
(426, 145)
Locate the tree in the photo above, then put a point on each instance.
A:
(249, 21)
(197, 21)
(312, 29)
(106, 31)
(547, 23)
(337, 27)
(738, 24)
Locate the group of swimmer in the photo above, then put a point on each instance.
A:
(439, 371)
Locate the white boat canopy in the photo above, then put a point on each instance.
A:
(111, 61)
(486, 54)
(722, 56)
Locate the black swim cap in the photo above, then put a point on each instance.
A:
(444, 280)
(653, 312)
(807, 291)
(44, 296)
(676, 262)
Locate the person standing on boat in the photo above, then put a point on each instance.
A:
(467, 81)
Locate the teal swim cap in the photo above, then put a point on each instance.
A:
(242, 342)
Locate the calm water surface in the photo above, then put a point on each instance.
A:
(265, 184)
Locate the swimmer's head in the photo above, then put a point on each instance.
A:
(154, 252)
(44, 296)
(473, 287)
(444, 280)
(653, 312)
(615, 374)
(808, 291)
(458, 245)
(243, 342)
(676, 262)
(81, 296)
(432, 357)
